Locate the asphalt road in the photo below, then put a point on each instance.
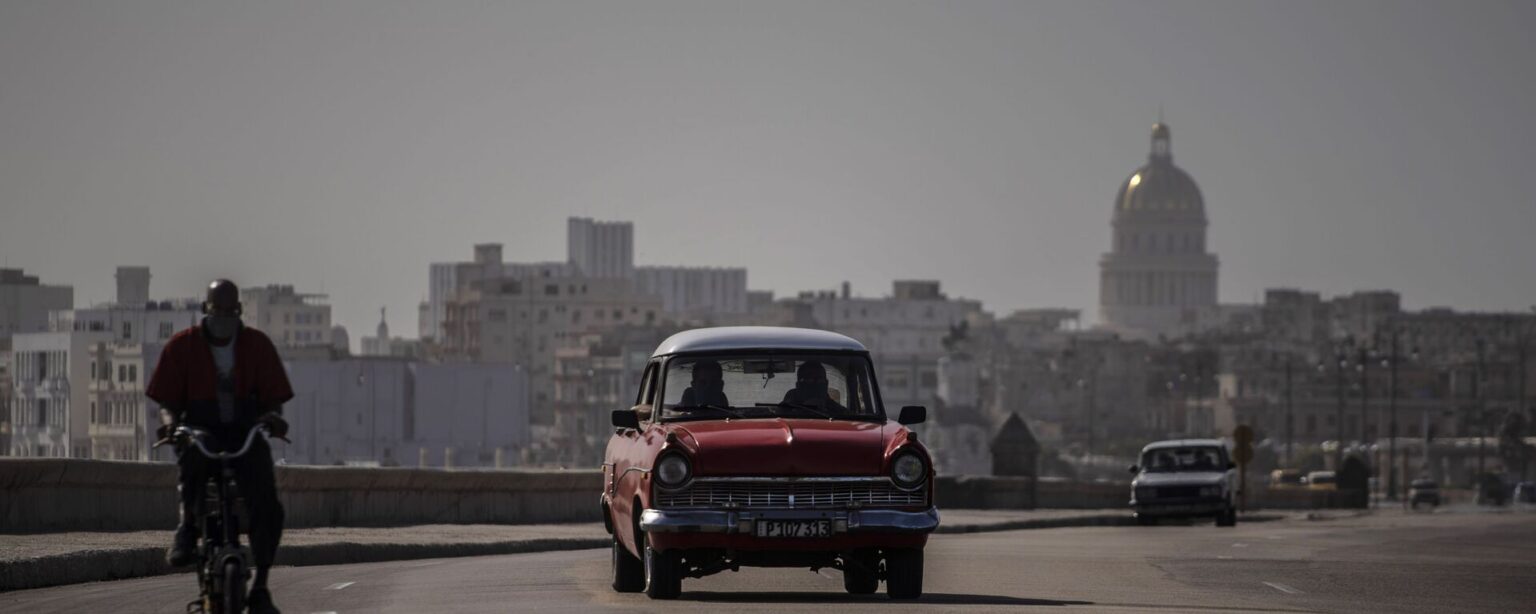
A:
(1393, 562)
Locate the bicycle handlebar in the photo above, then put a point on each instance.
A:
(197, 435)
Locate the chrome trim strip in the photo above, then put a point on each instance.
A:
(855, 521)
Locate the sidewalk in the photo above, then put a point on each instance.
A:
(47, 559)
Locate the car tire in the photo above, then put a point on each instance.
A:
(861, 574)
(663, 577)
(628, 570)
(1227, 518)
(904, 573)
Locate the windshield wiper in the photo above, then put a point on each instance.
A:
(719, 408)
(793, 405)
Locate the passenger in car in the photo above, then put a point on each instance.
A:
(811, 388)
(707, 386)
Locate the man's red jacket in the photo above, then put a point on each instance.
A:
(187, 378)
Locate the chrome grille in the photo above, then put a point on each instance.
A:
(789, 493)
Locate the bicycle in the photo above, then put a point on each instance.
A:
(224, 565)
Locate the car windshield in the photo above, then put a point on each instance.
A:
(826, 386)
(1193, 458)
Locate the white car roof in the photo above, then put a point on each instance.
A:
(1183, 443)
(755, 338)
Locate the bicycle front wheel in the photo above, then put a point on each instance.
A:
(234, 588)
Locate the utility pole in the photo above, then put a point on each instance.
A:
(1482, 419)
(1392, 418)
(1290, 411)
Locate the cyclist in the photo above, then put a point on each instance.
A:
(226, 378)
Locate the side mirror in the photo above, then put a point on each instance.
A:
(626, 419)
(1135, 469)
(913, 414)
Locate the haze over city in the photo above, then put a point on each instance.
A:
(342, 147)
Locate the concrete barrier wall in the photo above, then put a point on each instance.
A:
(39, 495)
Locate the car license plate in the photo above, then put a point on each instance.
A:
(794, 528)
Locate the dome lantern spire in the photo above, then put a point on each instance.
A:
(1161, 148)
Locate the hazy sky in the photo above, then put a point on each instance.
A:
(342, 146)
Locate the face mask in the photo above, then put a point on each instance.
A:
(222, 327)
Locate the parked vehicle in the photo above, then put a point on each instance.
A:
(760, 446)
(1492, 490)
(1323, 480)
(1287, 478)
(1185, 478)
(1423, 491)
(1525, 493)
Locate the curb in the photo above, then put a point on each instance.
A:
(124, 563)
(121, 564)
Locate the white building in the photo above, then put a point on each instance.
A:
(601, 249)
(1158, 278)
(904, 333)
(374, 411)
(122, 421)
(523, 321)
(695, 292)
(25, 302)
(446, 278)
(51, 393)
(383, 345)
(290, 319)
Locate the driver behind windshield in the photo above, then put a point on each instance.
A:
(707, 386)
(811, 388)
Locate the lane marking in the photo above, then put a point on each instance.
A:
(426, 564)
(1239, 545)
(1224, 556)
(322, 613)
(1287, 589)
(339, 585)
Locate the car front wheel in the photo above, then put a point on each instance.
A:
(663, 576)
(904, 573)
(628, 571)
(861, 573)
(1227, 518)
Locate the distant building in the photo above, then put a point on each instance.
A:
(1158, 278)
(904, 332)
(291, 319)
(51, 393)
(446, 278)
(523, 320)
(122, 421)
(695, 292)
(601, 249)
(599, 374)
(382, 344)
(390, 412)
(25, 302)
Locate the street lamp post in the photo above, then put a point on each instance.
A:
(1393, 359)
(1340, 362)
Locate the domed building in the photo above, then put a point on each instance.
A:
(1158, 279)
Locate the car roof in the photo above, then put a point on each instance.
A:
(1183, 443)
(756, 338)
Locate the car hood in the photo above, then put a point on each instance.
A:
(1180, 478)
(785, 446)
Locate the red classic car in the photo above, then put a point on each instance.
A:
(759, 446)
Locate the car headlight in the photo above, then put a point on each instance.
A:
(909, 469)
(672, 470)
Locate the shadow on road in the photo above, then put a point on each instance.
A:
(927, 599)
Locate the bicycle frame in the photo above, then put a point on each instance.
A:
(225, 561)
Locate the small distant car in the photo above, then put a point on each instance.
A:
(1525, 493)
(1423, 491)
(1185, 478)
(1323, 480)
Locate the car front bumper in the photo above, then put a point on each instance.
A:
(743, 522)
(1202, 507)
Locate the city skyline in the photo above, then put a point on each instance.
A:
(289, 154)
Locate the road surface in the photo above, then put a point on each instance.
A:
(1390, 562)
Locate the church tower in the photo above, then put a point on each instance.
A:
(1158, 279)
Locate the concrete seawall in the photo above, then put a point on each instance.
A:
(39, 495)
(50, 495)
